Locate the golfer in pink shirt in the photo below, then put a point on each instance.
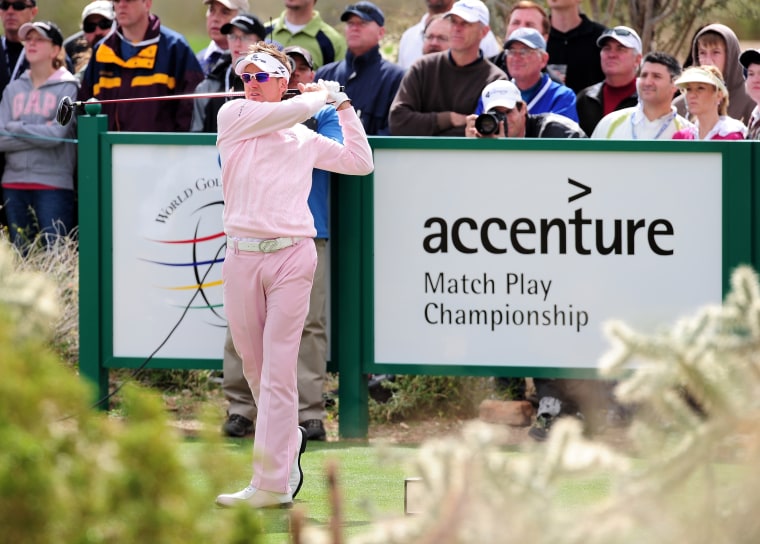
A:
(267, 158)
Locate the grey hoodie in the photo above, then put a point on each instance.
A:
(740, 105)
(25, 110)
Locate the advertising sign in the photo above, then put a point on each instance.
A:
(518, 258)
(168, 249)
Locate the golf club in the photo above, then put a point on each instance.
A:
(67, 106)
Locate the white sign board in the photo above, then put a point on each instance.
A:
(517, 258)
(167, 252)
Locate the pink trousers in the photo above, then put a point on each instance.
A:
(266, 298)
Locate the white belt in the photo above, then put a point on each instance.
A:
(264, 246)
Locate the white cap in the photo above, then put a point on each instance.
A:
(472, 11)
(240, 5)
(99, 7)
(624, 35)
(500, 93)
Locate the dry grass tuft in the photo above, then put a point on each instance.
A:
(59, 263)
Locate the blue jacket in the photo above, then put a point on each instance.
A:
(551, 97)
(328, 126)
(371, 83)
(162, 64)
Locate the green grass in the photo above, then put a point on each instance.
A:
(371, 485)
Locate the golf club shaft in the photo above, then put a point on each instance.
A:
(190, 96)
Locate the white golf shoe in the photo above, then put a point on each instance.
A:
(256, 498)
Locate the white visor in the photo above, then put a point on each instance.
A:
(265, 62)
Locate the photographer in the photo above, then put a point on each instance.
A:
(506, 115)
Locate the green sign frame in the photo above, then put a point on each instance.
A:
(352, 281)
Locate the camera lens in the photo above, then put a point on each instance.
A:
(488, 123)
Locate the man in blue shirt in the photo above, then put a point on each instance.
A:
(526, 59)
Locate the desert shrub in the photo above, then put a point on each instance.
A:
(197, 382)
(69, 473)
(59, 265)
(425, 396)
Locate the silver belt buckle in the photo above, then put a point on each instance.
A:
(268, 246)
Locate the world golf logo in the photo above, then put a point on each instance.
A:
(187, 249)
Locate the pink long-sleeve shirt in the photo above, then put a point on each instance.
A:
(267, 157)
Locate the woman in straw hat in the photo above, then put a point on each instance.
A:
(706, 99)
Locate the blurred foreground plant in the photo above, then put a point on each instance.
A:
(694, 476)
(69, 473)
(56, 266)
(28, 296)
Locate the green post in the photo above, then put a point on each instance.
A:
(738, 219)
(90, 128)
(755, 214)
(347, 316)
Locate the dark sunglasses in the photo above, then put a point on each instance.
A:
(103, 24)
(617, 32)
(17, 6)
(260, 77)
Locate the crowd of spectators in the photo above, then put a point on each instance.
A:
(561, 61)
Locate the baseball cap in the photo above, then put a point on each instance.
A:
(297, 50)
(624, 35)
(750, 56)
(47, 29)
(241, 5)
(526, 36)
(365, 10)
(697, 74)
(500, 93)
(99, 7)
(249, 24)
(266, 63)
(472, 11)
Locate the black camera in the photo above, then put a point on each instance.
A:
(488, 123)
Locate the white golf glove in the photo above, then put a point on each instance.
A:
(334, 94)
